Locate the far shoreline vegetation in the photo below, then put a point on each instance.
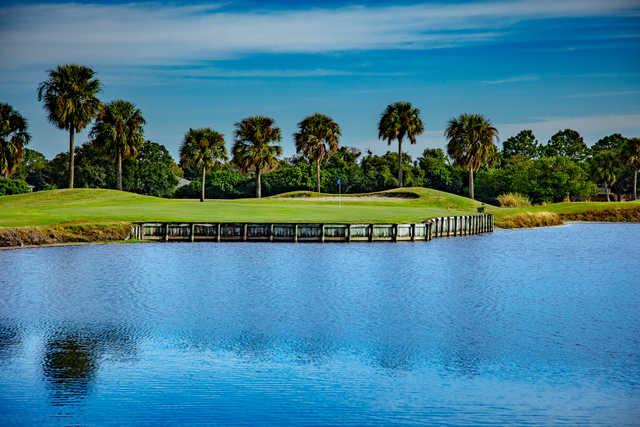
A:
(533, 183)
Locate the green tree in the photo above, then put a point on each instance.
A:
(119, 129)
(632, 154)
(567, 143)
(523, 144)
(605, 169)
(70, 98)
(397, 121)
(437, 171)
(471, 144)
(317, 139)
(31, 169)
(253, 149)
(610, 142)
(203, 149)
(13, 138)
(152, 172)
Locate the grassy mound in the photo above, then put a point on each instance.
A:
(109, 206)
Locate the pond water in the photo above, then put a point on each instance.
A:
(524, 327)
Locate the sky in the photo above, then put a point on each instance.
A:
(543, 65)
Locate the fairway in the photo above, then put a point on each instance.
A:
(108, 206)
(97, 206)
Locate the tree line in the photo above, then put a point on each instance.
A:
(118, 155)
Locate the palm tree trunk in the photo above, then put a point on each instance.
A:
(71, 156)
(400, 161)
(258, 184)
(204, 177)
(635, 185)
(471, 190)
(119, 170)
(606, 189)
(318, 174)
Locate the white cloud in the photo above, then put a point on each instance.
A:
(613, 93)
(514, 79)
(146, 33)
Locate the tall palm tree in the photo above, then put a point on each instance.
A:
(119, 129)
(398, 120)
(253, 149)
(605, 168)
(471, 143)
(632, 153)
(70, 98)
(203, 149)
(317, 139)
(13, 138)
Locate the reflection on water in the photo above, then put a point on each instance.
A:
(69, 366)
(537, 326)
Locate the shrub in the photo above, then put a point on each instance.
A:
(529, 219)
(13, 186)
(513, 200)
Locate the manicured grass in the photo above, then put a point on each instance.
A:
(108, 206)
(403, 205)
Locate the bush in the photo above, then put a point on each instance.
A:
(513, 200)
(529, 219)
(13, 186)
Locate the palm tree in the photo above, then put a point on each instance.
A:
(13, 138)
(632, 153)
(605, 168)
(317, 139)
(399, 120)
(471, 144)
(202, 149)
(252, 149)
(69, 96)
(119, 129)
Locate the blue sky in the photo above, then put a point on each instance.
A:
(544, 65)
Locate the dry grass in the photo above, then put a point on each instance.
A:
(513, 200)
(606, 215)
(63, 233)
(529, 219)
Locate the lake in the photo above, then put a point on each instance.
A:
(524, 327)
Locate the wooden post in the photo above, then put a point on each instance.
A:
(271, 232)
(413, 232)
(295, 233)
(166, 231)
(245, 232)
(322, 233)
(347, 233)
(370, 231)
(218, 237)
(193, 228)
(395, 232)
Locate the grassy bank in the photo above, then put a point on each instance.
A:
(109, 206)
(85, 215)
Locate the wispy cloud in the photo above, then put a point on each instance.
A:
(143, 33)
(514, 79)
(613, 93)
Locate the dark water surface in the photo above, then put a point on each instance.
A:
(524, 327)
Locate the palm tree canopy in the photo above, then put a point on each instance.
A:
(632, 153)
(471, 139)
(253, 144)
(202, 148)
(13, 138)
(119, 128)
(318, 137)
(69, 96)
(605, 167)
(399, 120)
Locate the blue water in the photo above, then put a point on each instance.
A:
(522, 327)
